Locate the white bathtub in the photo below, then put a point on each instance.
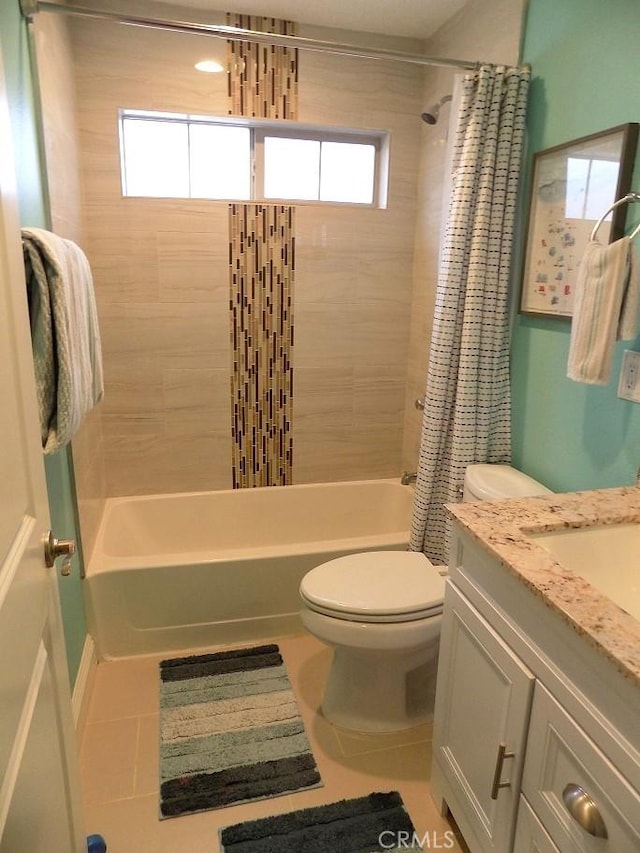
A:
(172, 572)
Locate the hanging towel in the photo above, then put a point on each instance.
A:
(605, 309)
(64, 334)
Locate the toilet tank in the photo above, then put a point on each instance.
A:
(486, 482)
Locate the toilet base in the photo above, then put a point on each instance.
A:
(372, 691)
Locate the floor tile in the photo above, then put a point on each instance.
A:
(147, 761)
(357, 743)
(120, 763)
(125, 688)
(107, 760)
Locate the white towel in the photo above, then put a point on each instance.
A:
(605, 309)
(64, 334)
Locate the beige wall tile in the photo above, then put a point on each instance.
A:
(379, 395)
(360, 263)
(62, 150)
(324, 275)
(125, 265)
(323, 394)
(325, 456)
(363, 299)
(158, 464)
(324, 335)
(176, 334)
(162, 274)
(381, 334)
(196, 401)
(192, 267)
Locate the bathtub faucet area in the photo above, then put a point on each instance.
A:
(408, 478)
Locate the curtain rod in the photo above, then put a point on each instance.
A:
(31, 7)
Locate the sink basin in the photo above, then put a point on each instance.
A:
(607, 557)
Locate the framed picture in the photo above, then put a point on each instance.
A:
(573, 185)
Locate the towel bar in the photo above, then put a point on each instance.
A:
(627, 199)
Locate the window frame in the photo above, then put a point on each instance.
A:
(259, 129)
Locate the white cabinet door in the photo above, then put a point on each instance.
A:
(482, 708)
(39, 792)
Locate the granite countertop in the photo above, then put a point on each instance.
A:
(503, 528)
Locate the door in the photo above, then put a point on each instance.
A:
(39, 791)
(483, 699)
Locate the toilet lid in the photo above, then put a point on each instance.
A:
(376, 586)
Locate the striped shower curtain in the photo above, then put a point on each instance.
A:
(467, 408)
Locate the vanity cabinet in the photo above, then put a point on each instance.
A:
(482, 710)
(534, 731)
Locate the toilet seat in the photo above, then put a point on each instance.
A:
(376, 586)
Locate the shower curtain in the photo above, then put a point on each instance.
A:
(467, 410)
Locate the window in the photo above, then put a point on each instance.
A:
(178, 156)
(319, 169)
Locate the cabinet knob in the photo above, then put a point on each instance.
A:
(584, 811)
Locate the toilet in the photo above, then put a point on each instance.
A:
(381, 611)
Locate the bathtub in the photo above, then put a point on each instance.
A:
(179, 571)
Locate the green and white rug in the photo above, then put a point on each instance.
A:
(230, 731)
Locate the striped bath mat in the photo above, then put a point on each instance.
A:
(375, 822)
(230, 731)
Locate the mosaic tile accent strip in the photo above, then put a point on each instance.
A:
(261, 269)
(262, 79)
(263, 83)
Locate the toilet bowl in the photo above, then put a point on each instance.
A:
(385, 636)
(381, 611)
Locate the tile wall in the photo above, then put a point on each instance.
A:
(354, 279)
(261, 255)
(263, 78)
(365, 279)
(57, 84)
(161, 271)
(162, 278)
(263, 83)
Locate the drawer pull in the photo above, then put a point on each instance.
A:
(584, 811)
(497, 784)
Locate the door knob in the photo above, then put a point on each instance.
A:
(54, 548)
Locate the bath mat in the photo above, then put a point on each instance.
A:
(363, 825)
(230, 731)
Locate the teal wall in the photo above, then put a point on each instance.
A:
(14, 42)
(585, 62)
(60, 486)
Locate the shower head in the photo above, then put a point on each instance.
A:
(431, 116)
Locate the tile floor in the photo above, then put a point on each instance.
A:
(119, 761)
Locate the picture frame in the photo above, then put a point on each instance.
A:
(572, 186)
